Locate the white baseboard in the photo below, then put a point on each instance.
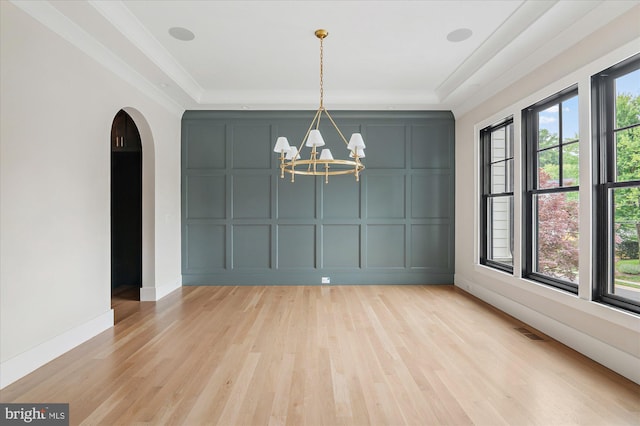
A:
(153, 294)
(613, 358)
(23, 364)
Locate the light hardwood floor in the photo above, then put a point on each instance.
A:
(352, 355)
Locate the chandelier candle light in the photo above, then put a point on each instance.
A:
(324, 165)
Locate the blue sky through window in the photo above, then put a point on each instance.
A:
(549, 118)
(629, 83)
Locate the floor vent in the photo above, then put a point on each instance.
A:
(528, 333)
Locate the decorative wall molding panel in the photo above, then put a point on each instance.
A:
(242, 224)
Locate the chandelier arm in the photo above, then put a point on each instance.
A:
(313, 159)
(282, 164)
(336, 127)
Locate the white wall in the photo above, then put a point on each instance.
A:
(57, 106)
(608, 335)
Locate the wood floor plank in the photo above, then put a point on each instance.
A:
(326, 355)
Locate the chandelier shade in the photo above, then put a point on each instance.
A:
(326, 154)
(356, 142)
(292, 154)
(324, 165)
(282, 145)
(360, 153)
(315, 138)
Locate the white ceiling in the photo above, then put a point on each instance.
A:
(379, 54)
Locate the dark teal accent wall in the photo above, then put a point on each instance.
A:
(242, 224)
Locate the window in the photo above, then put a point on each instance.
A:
(497, 196)
(616, 127)
(551, 139)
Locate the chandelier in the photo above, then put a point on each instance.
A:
(323, 165)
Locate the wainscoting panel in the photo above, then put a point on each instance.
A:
(251, 247)
(341, 199)
(430, 194)
(296, 200)
(435, 151)
(251, 197)
(386, 246)
(204, 146)
(242, 224)
(250, 139)
(341, 246)
(430, 247)
(385, 146)
(296, 246)
(385, 196)
(213, 237)
(204, 193)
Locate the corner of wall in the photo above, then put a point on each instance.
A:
(153, 294)
(23, 364)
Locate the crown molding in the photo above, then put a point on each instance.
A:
(116, 13)
(587, 18)
(308, 99)
(52, 18)
(521, 19)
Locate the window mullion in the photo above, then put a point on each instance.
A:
(560, 146)
(555, 190)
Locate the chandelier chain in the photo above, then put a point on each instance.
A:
(321, 73)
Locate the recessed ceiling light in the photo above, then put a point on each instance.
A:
(460, 34)
(181, 33)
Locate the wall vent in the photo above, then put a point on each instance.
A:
(528, 333)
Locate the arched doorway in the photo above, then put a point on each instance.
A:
(126, 208)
